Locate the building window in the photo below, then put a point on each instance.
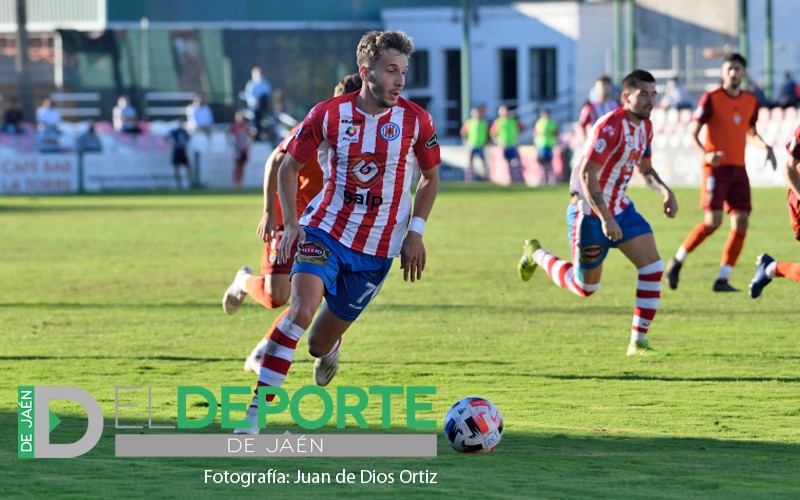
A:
(543, 74)
(418, 70)
(508, 75)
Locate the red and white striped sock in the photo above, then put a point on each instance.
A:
(278, 357)
(648, 296)
(563, 273)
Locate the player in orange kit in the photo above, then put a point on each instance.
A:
(271, 289)
(768, 268)
(729, 115)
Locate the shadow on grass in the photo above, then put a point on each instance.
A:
(591, 464)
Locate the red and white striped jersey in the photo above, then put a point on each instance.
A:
(617, 145)
(593, 111)
(368, 163)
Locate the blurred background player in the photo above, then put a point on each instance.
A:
(199, 117)
(475, 133)
(180, 153)
(239, 132)
(676, 96)
(352, 230)
(272, 288)
(729, 115)
(505, 133)
(602, 103)
(124, 117)
(768, 268)
(545, 138)
(258, 96)
(601, 216)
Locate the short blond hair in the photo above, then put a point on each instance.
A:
(374, 43)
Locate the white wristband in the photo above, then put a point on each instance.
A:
(417, 225)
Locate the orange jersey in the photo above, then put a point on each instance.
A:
(727, 120)
(309, 180)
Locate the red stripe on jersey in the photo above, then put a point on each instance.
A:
(332, 131)
(353, 151)
(648, 294)
(409, 128)
(368, 219)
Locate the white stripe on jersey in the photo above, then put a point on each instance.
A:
(387, 193)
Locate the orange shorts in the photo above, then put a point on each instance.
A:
(269, 257)
(725, 186)
(794, 214)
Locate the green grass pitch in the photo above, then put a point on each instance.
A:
(106, 291)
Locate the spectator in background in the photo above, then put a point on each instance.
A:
(257, 93)
(88, 141)
(281, 102)
(199, 116)
(47, 117)
(600, 102)
(239, 132)
(180, 157)
(787, 97)
(12, 118)
(475, 133)
(124, 117)
(505, 133)
(676, 96)
(545, 138)
(755, 89)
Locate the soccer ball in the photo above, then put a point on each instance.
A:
(473, 425)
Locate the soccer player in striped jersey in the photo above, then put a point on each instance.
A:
(351, 231)
(271, 289)
(768, 268)
(592, 111)
(729, 115)
(601, 216)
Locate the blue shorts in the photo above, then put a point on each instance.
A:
(476, 151)
(510, 153)
(589, 244)
(351, 278)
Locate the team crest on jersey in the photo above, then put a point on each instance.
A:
(313, 253)
(608, 130)
(390, 131)
(365, 170)
(600, 145)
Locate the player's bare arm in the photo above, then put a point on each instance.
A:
(652, 180)
(759, 141)
(791, 175)
(588, 175)
(412, 253)
(269, 223)
(287, 193)
(713, 158)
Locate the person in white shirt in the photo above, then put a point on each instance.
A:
(199, 116)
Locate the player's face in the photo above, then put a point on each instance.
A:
(386, 78)
(732, 74)
(640, 102)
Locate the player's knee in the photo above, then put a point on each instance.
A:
(301, 314)
(317, 348)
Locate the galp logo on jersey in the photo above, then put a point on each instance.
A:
(365, 170)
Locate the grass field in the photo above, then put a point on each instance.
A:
(105, 291)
